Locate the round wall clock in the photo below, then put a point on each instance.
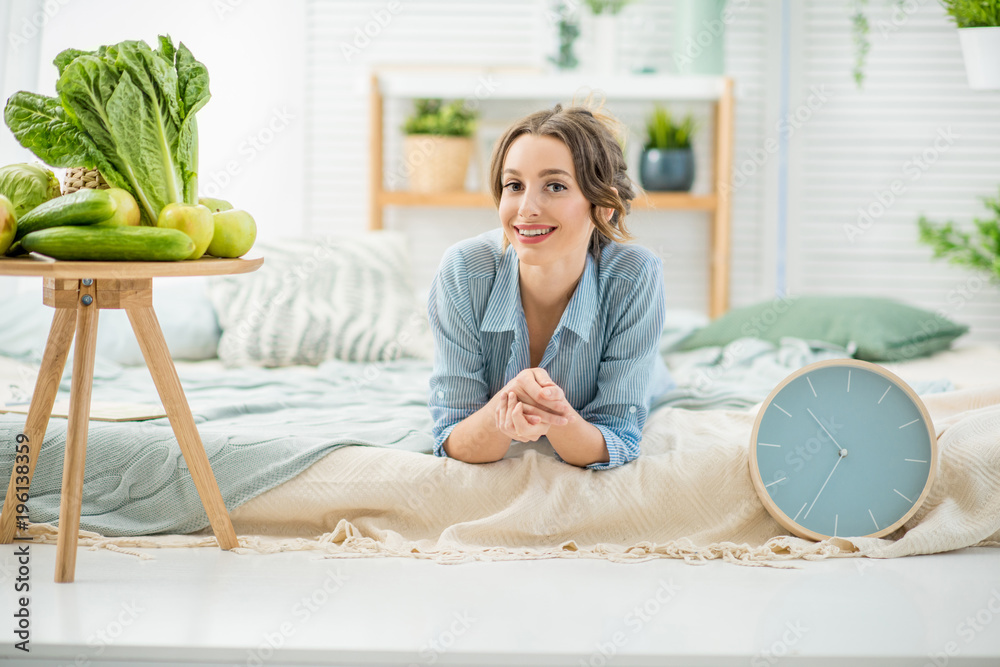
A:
(842, 448)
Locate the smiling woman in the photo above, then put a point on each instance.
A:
(550, 325)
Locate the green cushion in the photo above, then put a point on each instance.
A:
(882, 329)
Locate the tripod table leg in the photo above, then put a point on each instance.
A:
(168, 385)
(44, 396)
(76, 437)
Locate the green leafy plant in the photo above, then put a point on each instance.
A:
(126, 110)
(569, 30)
(860, 29)
(978, 250)
(665, 134)
(432, 116)
(606, 6)
(973, 13)
(861, 33)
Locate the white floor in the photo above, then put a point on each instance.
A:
(206, 606)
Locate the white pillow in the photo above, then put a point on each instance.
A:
(347, 297)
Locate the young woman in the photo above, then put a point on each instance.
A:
(549, 326)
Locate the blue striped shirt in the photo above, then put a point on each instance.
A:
(604, 353)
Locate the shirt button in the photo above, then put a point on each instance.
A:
(631, 408)
(440, 394)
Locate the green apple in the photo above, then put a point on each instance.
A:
(126, 210)
(194, 220)
(235, 232)
(215, 204)
(8, 224)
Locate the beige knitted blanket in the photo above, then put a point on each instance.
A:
(688, 496)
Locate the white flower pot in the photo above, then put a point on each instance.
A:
(981, 48)
(598, 53)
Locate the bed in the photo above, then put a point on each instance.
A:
(328, 446)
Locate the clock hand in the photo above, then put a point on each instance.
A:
(839, 459)
(842, 450)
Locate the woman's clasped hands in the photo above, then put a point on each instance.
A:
(530, 404)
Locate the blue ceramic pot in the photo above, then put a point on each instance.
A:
(669, 170)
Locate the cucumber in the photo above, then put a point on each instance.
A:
(153, 244)
(83, 207)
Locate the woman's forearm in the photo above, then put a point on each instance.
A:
(579, 442)
(476, 439)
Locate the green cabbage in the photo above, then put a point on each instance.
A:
(126, 110)
(27, 186)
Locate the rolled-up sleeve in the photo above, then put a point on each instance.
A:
(621, 405)
(457, 385)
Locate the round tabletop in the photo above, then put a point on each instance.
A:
(38, 265)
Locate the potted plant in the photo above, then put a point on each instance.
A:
(980, 252)
(569, 30)
(667, 158)
(978, 24)
(438, 145)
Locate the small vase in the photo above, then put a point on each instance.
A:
(598, 52)
(981, 51)
(667, 170)
(605, 44)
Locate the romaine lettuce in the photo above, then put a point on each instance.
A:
(126, 110)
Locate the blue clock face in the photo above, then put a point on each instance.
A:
(843, 449)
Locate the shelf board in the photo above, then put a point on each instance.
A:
(564, 86)
(468, 199)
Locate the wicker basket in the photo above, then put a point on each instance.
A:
(435, 163)
(81, 177)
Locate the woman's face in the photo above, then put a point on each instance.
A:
(540, 191)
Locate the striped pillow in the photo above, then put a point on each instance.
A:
(338, 297)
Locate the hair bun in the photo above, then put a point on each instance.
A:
(593, 105)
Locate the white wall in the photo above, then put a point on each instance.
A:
(868, 163)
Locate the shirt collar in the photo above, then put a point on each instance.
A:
(504, 304)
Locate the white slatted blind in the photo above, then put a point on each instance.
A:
(915, 128)
(516, 33)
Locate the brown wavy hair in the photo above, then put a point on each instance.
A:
(598, 159)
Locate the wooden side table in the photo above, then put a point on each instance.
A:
(78, 291)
